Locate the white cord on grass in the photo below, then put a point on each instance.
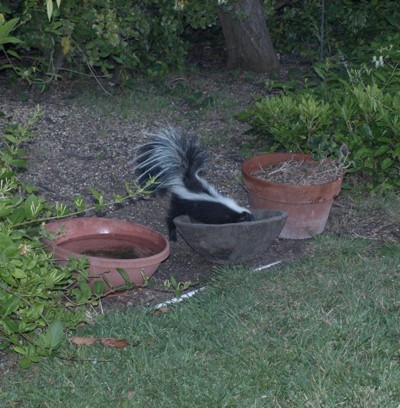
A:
(193, 292)
(178, 299)
(261, 268)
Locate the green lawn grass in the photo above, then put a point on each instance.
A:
(324, 332)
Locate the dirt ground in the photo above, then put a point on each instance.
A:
(82, 145)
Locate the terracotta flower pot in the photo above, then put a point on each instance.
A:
(109, 244)
(308, 206)
(232, 243)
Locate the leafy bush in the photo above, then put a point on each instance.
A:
(354, 27)
(33, 311)
(39, 300)
(118, 38)
(111, 38)
(361, 110)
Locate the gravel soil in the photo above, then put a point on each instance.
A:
(87, 139)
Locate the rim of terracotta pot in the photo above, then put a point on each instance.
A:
(315, 192)
(107, 226)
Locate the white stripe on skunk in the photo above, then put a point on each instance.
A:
(176, 160)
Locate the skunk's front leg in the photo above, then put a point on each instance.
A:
(174, 211)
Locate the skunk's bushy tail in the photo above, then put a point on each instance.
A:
(171, 158)
(175, 161)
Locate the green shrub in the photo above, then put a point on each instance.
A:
(40, 301)
(112, 38)
(361, 110)
(291, 122)
(352, 26)
(34, 315)
(118, 39)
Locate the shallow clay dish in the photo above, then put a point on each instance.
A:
(108, 244)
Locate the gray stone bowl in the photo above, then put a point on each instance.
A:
(233, 244)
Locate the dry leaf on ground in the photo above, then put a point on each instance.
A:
(115, 343)
(108, 341)
(160, 310)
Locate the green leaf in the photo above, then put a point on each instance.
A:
(13, 54)
(9, 326)
(18, 216)
(363, 152)
(86, 292)
(77, 293)
(54, 335)
(49, 7)
(18, 162)
(99, 207)
(18, 273)
(6, 28)
(96, 194)
(10, 40)
(19, 350)
(98, 288)
(35, 311)
(25, 362)
(10, 306)
(33, 205)
(118, 198)
(8, 248)
(382, 150)
(124, 275)
(392, 21)
(107, 281)
(11, 138)
(6, 210)
(79, 204)
(5, 275)
(386, 163)
(27, 327)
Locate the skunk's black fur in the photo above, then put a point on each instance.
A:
(176, 160)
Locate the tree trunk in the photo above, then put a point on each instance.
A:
(247, 38)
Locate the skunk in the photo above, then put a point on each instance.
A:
(175, 161)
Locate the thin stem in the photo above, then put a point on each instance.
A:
(55, 217)
(322, 31)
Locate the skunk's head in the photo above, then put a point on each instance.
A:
(229, 211)
(245, 216)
